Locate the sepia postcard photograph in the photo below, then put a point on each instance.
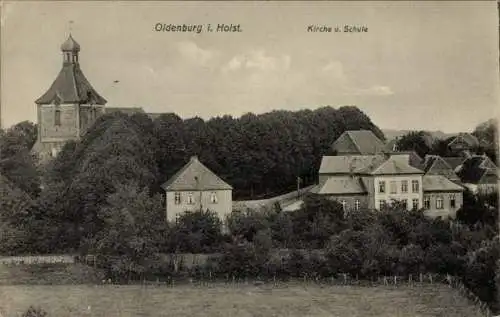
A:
(249, 158)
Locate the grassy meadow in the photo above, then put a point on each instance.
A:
(240, 300)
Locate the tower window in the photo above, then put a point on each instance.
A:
(57, 117)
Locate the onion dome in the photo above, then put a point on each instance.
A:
(70, 45)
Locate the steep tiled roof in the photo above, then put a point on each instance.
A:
(439, 183)
(129, 111)
(468, 138)
(342, 185)
(473, 171)
(454, 162)
(394, 166)
(345, 164)
(71, 86)
(362, 142)
(436, 165)
(195, 176)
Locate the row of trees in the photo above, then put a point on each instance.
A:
(135, 152)
(101, 196)
(324, 242)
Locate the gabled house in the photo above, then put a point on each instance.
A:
(376, 181)
(370, 181)
(479, 174)
(359, 142)
(455, 162)
(462, 142)
(436, 165)
(442, 197)
(195, 187)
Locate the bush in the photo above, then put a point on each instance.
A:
(34, 312)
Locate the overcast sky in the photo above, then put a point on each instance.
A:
(427, 65)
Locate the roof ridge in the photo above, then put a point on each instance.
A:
(189, 164)
(380, 166)
(73, 76)
(352, 140)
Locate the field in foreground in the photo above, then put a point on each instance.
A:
(230, 300)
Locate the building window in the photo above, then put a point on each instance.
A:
(404, 186)
(394, 187)
(177, 198)
(57, 117)
(190, 199)
(356, 204)
(427, 203)
(404, 204)
(344, 204)
(213, 198)
(382, 204)
(381, 187)
(453, 202)
(439, 203)
(414, 204)
(414, 186)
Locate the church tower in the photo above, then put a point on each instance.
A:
(69, 107)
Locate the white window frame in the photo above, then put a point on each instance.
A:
(382, 203)
(357, 204)
(413, 205)
(393, 187)
(344, 204)
(190, 199)
(427, 203)
(454, 200)
(381, 185)
(439, 202)
(404, 186)
(415, 186)
(213, 198)
(177, 198)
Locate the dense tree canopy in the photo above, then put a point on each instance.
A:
(285, 144)
(16, 161)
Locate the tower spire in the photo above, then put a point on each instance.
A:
(70, 49)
